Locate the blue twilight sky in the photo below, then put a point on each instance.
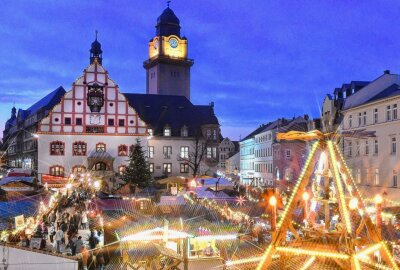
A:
(257, 60)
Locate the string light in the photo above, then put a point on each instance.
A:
(318, 253)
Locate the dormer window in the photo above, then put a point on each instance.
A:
(150, 131)
(167, 131)
(184, 131)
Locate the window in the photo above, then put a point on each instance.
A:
(357, 148)
(167, 131)
(57, 148)
(78, 121)
(78, 169)
(184, 168)
(79, 148)
(350, 121)
(393, 147)
(67, 121)
(367, 177)
(100, 147)
(366, 148)
(111, 122)
(150, 131)
(376, 116)
(184, 152)
(288, 153)
(376, 147)
(376, 177)
(350, 149)
(150, 152)
(394, 178)
(100, 166)
(151, 167)
(57, 170)
(214, 135)
(184, 131)
(211, 152)
(122, 150)
(365, 118)
(388, 113)
(208, 134)
(394, 112)
(121, 122)
(359, 176)
(359, 119)
(167, 167)
(167, 150)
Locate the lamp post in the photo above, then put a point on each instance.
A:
(306, 197)
(378, 203)
(272, 202)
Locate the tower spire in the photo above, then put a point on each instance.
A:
(169, 1)
(95, 50)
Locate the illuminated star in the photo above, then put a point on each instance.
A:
(240, 200)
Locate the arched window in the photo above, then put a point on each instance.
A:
(57, 170)
(184, 131)
(100, 147)
(122, 150)
(78, 169)
(57, 148)
(121, 169)
(100, 166)
(79, 148)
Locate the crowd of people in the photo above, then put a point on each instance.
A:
(64, 229)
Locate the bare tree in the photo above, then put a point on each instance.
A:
(197, 152)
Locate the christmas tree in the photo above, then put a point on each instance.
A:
(137, 172)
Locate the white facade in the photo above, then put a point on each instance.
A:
(263, 158)
(233, 164)
(374, 161)
(247, 161)
(73, 131)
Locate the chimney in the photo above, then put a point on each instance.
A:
(386, 71)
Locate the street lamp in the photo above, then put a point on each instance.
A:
(306, 197)
(272, 202)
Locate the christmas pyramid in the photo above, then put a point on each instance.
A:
(337, 232)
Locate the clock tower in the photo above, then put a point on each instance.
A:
(168, 66)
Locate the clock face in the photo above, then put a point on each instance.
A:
(96, 101)
(95, 119)
(173, 42)
(155, 44)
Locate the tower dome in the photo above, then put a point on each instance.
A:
(95, 51)
(168, 23)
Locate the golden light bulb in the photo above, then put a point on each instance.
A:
(272, 201)
(353, 204)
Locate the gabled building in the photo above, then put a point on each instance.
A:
(92, 126)
(227, 148)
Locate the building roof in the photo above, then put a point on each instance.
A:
(372, 91)
(168, 23)
(159, 111)
(254, 133)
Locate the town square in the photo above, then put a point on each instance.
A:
(196, 135)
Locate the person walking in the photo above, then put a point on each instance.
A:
(78, 245)
(84, 220)
(59, 238)
(52, 232)
(72, 244)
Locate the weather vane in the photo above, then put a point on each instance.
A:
(96, 33)
(169, 1)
